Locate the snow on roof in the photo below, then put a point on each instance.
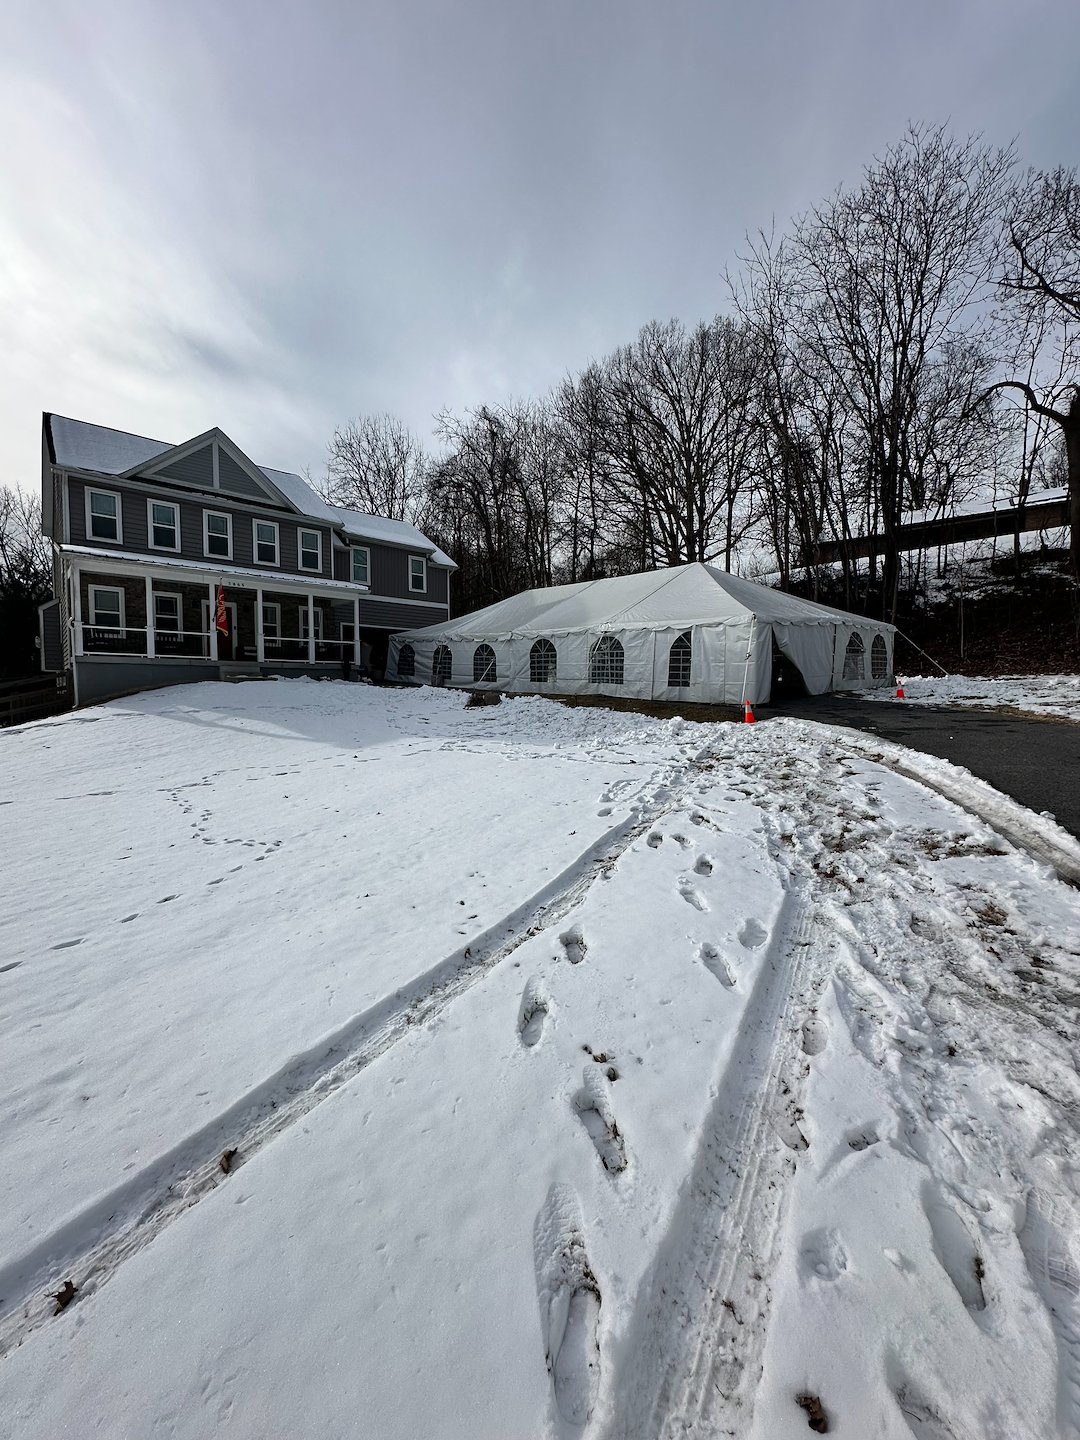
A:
(360, 526)
(684, 595)
(78, 445)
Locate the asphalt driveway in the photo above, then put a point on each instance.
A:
(1036, 761)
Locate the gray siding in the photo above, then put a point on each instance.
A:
(232, 477)
(136, 540)
(389, 573)
(99, 679)
(52, 648)
(194, 469)
(384, 615)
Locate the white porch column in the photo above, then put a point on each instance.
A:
(356, 632)
(151, 638)
(76, 588)
(260, 644)
(311, 629)
(212, 615)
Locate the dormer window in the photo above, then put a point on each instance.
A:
(103, 520)
(310, 542)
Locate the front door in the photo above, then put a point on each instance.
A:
(226, 644)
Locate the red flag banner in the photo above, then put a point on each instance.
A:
(222, 620)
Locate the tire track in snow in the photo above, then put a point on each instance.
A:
(91, 1245)
(692, 1355)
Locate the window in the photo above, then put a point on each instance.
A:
(310, 542)
(606, 662)
(271, 621)
(406, 662)
(304, 623)
(266, 542)
(361, 565)
(417, 573)
(103, 521)
(440, 665)
(483, 665)
(163, 525)
(106, 607)
(217, 534)
(167, 613)
(854, 658)
(542, 662)
(678, 670)
(879, 658)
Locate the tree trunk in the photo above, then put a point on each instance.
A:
(1071, 432)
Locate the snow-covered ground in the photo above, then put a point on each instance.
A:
(578, 1074)
(1039, 694)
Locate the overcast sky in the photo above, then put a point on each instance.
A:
(276, 216)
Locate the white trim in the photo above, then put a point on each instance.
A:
(197, 571)
(357, 654)
(408, 600)
(260, 620)
(301, 531)
(114, 495)
(255, 542)
(221, 515)
(354, 550)
(174, 506)
(215, 465)
(95, 624)
(310, 628)
(421, 589)
(151, 618)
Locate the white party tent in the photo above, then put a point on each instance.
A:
(689, 633)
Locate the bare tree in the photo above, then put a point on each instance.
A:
(377, 466)
(25, 578)
(1040, 284)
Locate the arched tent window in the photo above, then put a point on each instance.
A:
(678, 672)
(879, 658)
(406, 662)
(483, 664)
(440, 665)
(542, 662)
(855, 657)
(606, 661)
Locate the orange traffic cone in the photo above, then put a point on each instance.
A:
(900, 691)
(748, 714)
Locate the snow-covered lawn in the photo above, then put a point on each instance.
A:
(1039, 694)
(579, 1075)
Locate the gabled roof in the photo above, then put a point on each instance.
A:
(682, 596)
(99, 450)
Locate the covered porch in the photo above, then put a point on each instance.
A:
(167, 611)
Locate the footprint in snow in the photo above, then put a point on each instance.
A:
(593, 1103)
(815, 1035)
(753, 935)
(1052, 1264)
(715, 963)
(955, 1248)
(68, 944)
(569, 1299)
(655, 840)
(692, 897)
(573, 943)
(535, 1008)
(822, 1255)
(703, 865)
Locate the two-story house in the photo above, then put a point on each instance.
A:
(188, 562)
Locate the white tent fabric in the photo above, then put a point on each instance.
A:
(730, 624)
